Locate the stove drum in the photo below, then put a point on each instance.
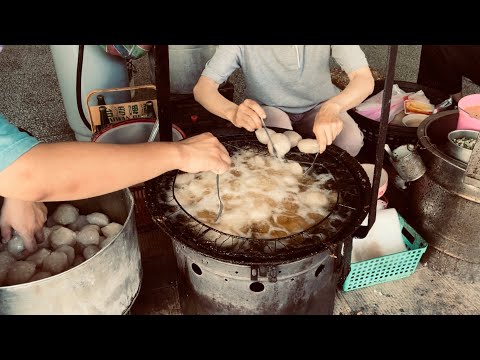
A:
(307, 286)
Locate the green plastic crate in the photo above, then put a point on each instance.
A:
(388, 267)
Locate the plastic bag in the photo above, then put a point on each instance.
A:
(372, 107)
(128, 52)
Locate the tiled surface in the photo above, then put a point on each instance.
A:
(31, 99)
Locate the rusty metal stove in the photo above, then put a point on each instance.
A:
(225, 274)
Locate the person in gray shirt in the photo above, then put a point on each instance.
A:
(290, 87)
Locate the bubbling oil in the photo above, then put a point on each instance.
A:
(263, 197)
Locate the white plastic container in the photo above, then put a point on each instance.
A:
(100, 71)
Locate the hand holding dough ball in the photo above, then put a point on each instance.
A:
(16, 246)
(293, 137)
(65, 214)
(70, 239)
(262, 135)
(281, 143)
(308, 146)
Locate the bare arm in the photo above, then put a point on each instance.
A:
(207, 94)
(246, 115)
(327, 122)
(358, 89)
(76, 170)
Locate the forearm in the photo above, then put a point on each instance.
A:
(75, 170)
(206, 93)
(358, 89)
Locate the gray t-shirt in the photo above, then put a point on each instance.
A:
(293, 78)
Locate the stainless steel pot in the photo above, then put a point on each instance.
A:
(445, 209)
(459, 152)
(107, 283)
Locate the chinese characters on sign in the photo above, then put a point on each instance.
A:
(121, 112)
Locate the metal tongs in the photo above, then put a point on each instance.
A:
(275, 153)
(311, 166)
(220, 203)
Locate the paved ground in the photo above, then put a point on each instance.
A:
(31, 99)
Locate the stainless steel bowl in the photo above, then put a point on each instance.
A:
(459, 152)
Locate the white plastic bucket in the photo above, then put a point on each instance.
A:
(100, 71)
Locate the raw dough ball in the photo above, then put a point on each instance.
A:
(50, 222)
(62, 236)
(314, 199)
(38, 257)
(6, 260)
(79, 223)
(97, 218)
(78, 260)
(293, 137)
(308, 146)
(105, 242)
(20, 272)
(91, 226)
(88, 236)
(262, 135)
(295, 168)
(281, 143)
(47, 232)
(65, 214)
(69, 251)
(111, 229)
(56, 262)
(90, 251)
(41, 275)
(15, 246)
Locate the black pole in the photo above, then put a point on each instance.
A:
(78, 87)
(162, 83)
(382, 135)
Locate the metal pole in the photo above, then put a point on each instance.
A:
(162, 83)
(382, 135)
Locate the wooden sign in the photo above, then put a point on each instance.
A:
(121, 112)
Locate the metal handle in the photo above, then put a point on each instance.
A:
(362, 231)
(162, 83)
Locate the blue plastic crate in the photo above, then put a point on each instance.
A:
(388, 267)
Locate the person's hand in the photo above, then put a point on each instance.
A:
(249, 115)
(204, 153)
(328, 125)
(26, 218)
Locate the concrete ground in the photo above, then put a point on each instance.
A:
(31, 99)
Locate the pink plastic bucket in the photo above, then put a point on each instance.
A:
(466, 122)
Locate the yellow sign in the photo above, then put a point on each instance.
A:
(121, 112)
